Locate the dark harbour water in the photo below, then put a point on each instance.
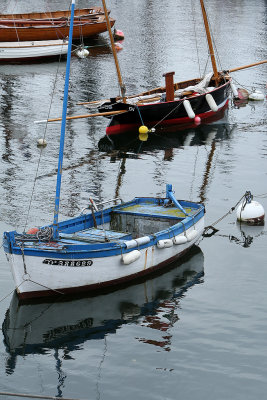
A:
(199, 330)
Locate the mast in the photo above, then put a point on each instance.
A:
(122, 86)
(212, 55)
(63, 126)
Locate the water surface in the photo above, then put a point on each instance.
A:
(198, 331)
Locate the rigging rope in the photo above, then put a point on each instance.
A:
(40, 156)
(194, 24)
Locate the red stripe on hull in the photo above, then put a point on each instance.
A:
(182, 123)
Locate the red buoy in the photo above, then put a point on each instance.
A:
(32, 231)
(118, 35)
(197, 120)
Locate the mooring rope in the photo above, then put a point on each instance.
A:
(220, 219)
(247, 87)
(32, 396)
(142, 122)
(175, 108)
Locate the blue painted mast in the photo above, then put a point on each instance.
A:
(63, 126)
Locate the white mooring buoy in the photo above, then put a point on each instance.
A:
(257, 95)
(250, 211)
(41, 142)
(82, 52)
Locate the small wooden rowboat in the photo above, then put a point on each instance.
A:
(13, 30)
(53, 15)
(35, 50)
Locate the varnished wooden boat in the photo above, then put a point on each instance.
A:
(27, 31)
(51, 15)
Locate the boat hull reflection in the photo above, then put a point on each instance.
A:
(163, 139)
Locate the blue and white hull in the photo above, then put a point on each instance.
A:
(87, 258)
(45, 274)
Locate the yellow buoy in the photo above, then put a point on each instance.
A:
(143, 137)
(143, 133)
(143, 129)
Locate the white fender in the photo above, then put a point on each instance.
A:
(211, 102)
(234, 90)
(189, 109)
(191, 235)
(130, 257)
(137, 242)
(130, 243)
(142, 240)
(180, 239)
(164, 243)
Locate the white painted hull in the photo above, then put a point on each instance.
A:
(34, 276)
(17, 51)
(41, 324)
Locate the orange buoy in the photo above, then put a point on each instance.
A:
(32, 231)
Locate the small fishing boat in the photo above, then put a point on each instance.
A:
(104, 247)
(34, 50)
(185, 104)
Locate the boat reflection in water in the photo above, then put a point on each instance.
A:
(34, 328)
(168, 138)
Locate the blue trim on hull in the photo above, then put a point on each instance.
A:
(94, 250)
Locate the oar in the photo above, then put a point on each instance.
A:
(92, 102)
(247, 66)
(82, 116)
(122, 111)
